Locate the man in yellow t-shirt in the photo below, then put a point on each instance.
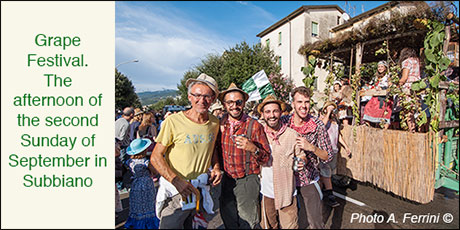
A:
(184, 150)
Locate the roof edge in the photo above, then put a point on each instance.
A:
(295, 14)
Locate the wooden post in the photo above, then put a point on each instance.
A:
(359, 57)
(388, 55)
(446, 42)
(330, 67)
(351, 62)
(442, 111)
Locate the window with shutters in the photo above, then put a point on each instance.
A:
(314, 29)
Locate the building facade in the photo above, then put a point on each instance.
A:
(304, 25)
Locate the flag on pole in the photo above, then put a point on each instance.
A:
(258, 86)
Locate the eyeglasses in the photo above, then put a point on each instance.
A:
(237, 102)
(199, 96)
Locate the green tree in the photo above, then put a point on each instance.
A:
(158, 106)
(236, 64)
(125, 95)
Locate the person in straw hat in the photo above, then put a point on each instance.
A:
(244, 148)
(184, 151)
(278, 182)
(217, 109)
(135, 122)
(329, 117)
(142, 193)
(315, 141)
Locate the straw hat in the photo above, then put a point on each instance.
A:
(231, 88)
(328, 103)
(138, 145)
(204, 78)
(138, 111)
(215, 106)
(271, 99)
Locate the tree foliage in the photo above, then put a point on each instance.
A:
(161, 103)
(236, 64)
(125, 95)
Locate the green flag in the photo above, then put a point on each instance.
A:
(258, 86)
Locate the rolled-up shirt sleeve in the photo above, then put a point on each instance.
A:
(324, 142)
(260, 140)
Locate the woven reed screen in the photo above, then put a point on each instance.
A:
(397, 161)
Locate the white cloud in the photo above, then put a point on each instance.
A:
(165, 44)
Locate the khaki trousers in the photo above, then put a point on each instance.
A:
(287, 216)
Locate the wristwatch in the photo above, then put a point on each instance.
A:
(256, 153)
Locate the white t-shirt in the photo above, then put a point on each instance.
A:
(266, 182)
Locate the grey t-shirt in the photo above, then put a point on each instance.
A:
(122, 131)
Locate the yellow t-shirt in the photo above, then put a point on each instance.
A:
(190, 145)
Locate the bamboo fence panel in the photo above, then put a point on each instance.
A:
(396, 161)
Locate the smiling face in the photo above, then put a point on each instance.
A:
(336, 87)
(301, 105)
(234, 104)
(381, 68)
(272, 114)
(201, 98)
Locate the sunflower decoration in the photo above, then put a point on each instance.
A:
(420, 23)
(315, 52)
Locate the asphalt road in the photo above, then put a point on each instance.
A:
(370, 207)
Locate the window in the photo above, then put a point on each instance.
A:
(279, 61)
(338, 20)
(267, 43)
(314, 29)
(279, 38)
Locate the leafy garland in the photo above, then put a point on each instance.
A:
(435, 63)
(309, 72)
(355, 85)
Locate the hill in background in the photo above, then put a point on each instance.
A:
(151, 97)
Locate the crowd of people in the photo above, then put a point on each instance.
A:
(273, 165)
(272, 171)
(380, 110)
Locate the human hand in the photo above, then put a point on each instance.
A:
(244, 143)
(301, 164)
(302, 143)
(216, 176)
(349, 153)
(184, 187)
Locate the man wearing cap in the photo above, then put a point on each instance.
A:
(244, 148)
(185, 150)
(314, 140)
(277, 175)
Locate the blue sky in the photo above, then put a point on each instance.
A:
(170, 37)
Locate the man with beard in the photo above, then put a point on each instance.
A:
(278, 182)
(315, 142)
(244, 148)
(185, 150)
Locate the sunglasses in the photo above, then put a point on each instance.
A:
(237, 102)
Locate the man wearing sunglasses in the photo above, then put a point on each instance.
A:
(244, 148)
